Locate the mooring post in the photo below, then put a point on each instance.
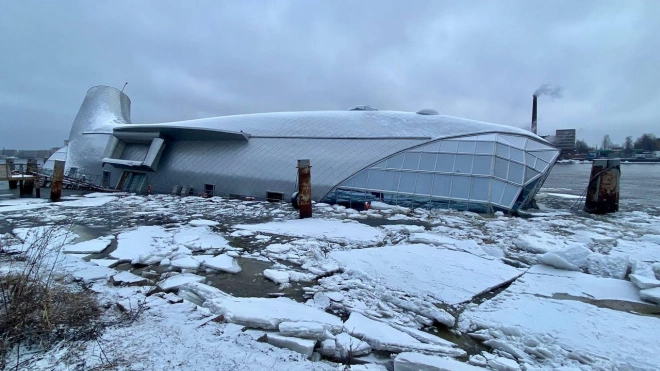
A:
(31, 170)
(56, 183)
(305, 189)
(603, 188)
(11, 167)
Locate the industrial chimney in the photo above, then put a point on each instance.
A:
(534, 114)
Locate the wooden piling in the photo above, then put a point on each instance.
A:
(305, 189)
(56, 184)
(11, 167)
(603, 188)
(28, 184)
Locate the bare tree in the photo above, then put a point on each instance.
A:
(606, 143)
(628, 146)
(581, 146)
(647, 142)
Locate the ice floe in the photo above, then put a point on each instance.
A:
(329, 230)
(94, 246)
(449, 276)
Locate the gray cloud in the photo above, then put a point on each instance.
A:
(475, 59)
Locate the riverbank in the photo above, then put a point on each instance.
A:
(262, 289)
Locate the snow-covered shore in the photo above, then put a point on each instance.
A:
(387, 288)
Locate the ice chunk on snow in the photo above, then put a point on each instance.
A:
(269, 313)
(223, 262)
(89, 247)
(414, 269)
(329, 230)
(306, 330)
(573, 258)
(608, 265)
(334, 295)
(656, 270)
(278, 248)
(178, 280)
(138, 245)
(87, 202)
(503, 364)
(381, 336)
(199, 239)
(91, 273)
(276, 276)
(104, 262)
(546, 281)
(576, 327)
(128, 278)
(186, 262)
(644, 282)
(202, 222)
(408, 361)
(650, 295)
(375, 205)
(346, 345)
(302, 346)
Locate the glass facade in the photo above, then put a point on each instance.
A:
(481, 173)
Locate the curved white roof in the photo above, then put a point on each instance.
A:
(343, 124)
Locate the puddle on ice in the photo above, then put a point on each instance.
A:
(623, 306)
(378, 222)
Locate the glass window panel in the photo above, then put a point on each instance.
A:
(449, 146)
(485, 148)
(497, 190)
(482, 164)
(441, 185)
(391, 181)
(427, 161)
(407, 182)
(395, 162)
(466, 146)
(360, 179)
(532, 144)
(517, 155)
(530, 160)
(431, 147)
(348, 182)
(375, 179)
(424, 182)
(530, 174)
(501, 168)
(460, 187)
(379, 165)
(502, 150)
(509, 195)
(445, 162)
(411, 161)
(463, 164)
(480, 189)
(540, 165)
(546, 156)
(516, 172)
(517, 141)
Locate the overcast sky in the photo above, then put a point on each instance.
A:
(474, 59)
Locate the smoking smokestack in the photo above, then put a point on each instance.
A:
(534, 113)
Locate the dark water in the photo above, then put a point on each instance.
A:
(639, 188)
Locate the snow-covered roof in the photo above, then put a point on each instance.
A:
(342, 124)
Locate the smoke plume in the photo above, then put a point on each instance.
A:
(553, 91)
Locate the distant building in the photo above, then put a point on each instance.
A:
(564, 140)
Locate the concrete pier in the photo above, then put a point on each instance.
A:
(603, 188)
(305, 188)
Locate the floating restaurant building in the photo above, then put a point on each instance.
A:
(420, 159)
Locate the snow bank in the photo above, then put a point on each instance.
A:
(449, 276)
(328, 230)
